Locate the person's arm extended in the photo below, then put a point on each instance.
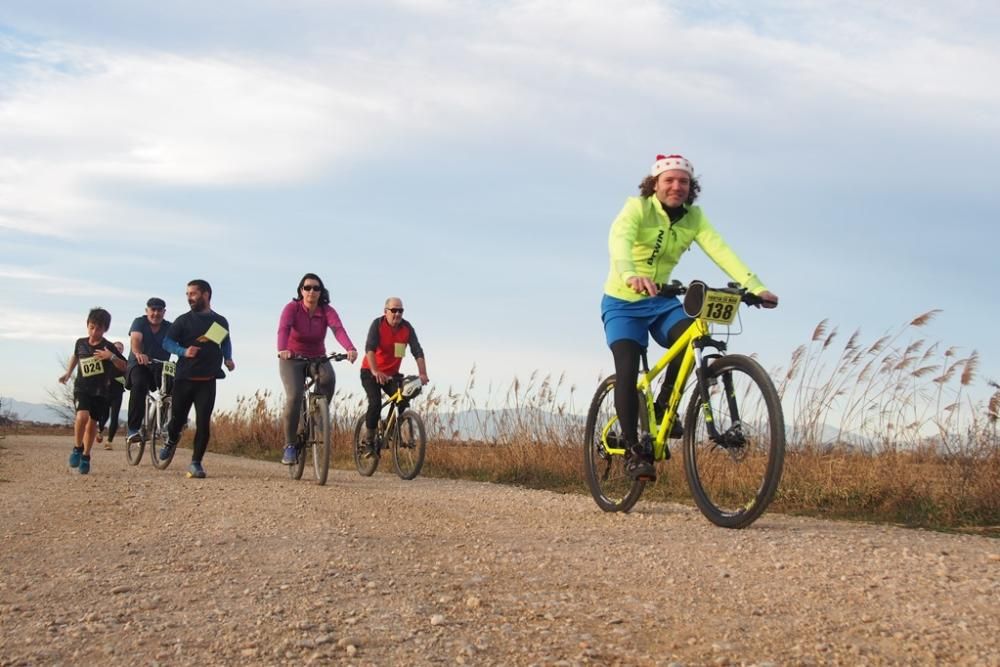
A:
(622, 237)
(339, 332)
(173, 347)
(285, 325)
(69, 370)
(418, 354)
(719, 252)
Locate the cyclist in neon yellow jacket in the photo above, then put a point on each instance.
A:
(646, 241)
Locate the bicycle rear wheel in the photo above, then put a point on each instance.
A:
(319, 437)
(613, 490)
(158, 421)
(365, 464)
(409, 445)
(734, 476)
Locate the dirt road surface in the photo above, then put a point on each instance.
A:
(130, 565)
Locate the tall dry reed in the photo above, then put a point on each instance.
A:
(881, 430)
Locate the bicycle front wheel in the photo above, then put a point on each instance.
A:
(319, 438)
(134, 450)
(410, 445)
(295, 470)
(365, 463)
(613, 490)
(734, 475)
(159, 418)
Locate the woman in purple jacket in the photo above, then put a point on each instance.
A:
(301, 333)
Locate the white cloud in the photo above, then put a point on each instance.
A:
(62, 285)
(31, 325)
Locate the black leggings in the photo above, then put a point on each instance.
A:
(201, 394)
(627, 354)
(374, 391)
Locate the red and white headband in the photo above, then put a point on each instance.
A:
(667, 162)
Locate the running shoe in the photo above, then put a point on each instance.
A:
(74, 457)
(167, 450)
(84, 465)
(195, 470)
(290, 456)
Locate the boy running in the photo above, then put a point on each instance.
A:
(97, 359)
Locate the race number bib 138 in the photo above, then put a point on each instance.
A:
(91, 366)
(400, 350)
(720, 307)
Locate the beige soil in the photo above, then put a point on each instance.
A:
(130, 565)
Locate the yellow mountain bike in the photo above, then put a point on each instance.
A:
(401, 429)
(734, 429)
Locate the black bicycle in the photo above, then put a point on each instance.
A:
(155, 418)
(314, 432)
(403, 431)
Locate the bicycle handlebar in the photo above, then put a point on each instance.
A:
(335, 356)
(677, 288)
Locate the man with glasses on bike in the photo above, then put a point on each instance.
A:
(146, 342)
(302, 333)
(200, 339)
(385, 346)
(646, 241)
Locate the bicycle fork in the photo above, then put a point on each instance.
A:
(733, 437)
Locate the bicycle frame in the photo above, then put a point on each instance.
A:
(690, 345)
(156, 396)
(393, 402)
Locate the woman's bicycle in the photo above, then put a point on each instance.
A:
(734, 429)
(154, 419)
(402, 430)
(314, 432)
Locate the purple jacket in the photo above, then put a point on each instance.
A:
(304, 334)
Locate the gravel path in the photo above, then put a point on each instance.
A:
(130, 565)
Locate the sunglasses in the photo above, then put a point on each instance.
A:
(312, 288)
(395, 311)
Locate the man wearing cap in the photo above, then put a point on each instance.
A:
(146, 342)
(646, 241)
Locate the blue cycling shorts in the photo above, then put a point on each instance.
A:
(637, 320)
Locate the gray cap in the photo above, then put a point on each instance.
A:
(156, 302)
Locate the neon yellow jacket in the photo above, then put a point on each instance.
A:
(643, 242)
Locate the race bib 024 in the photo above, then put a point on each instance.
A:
(91, 366)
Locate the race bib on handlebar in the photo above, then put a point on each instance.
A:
(720, 307)
(91, 366)
(169, 368)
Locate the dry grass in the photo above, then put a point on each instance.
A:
(882, 430)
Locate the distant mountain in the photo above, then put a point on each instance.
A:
(30, 412)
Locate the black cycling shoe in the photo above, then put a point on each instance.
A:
(639, 464)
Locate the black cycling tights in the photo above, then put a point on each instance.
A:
(627, 354)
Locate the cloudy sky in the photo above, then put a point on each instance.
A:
(469, 158)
